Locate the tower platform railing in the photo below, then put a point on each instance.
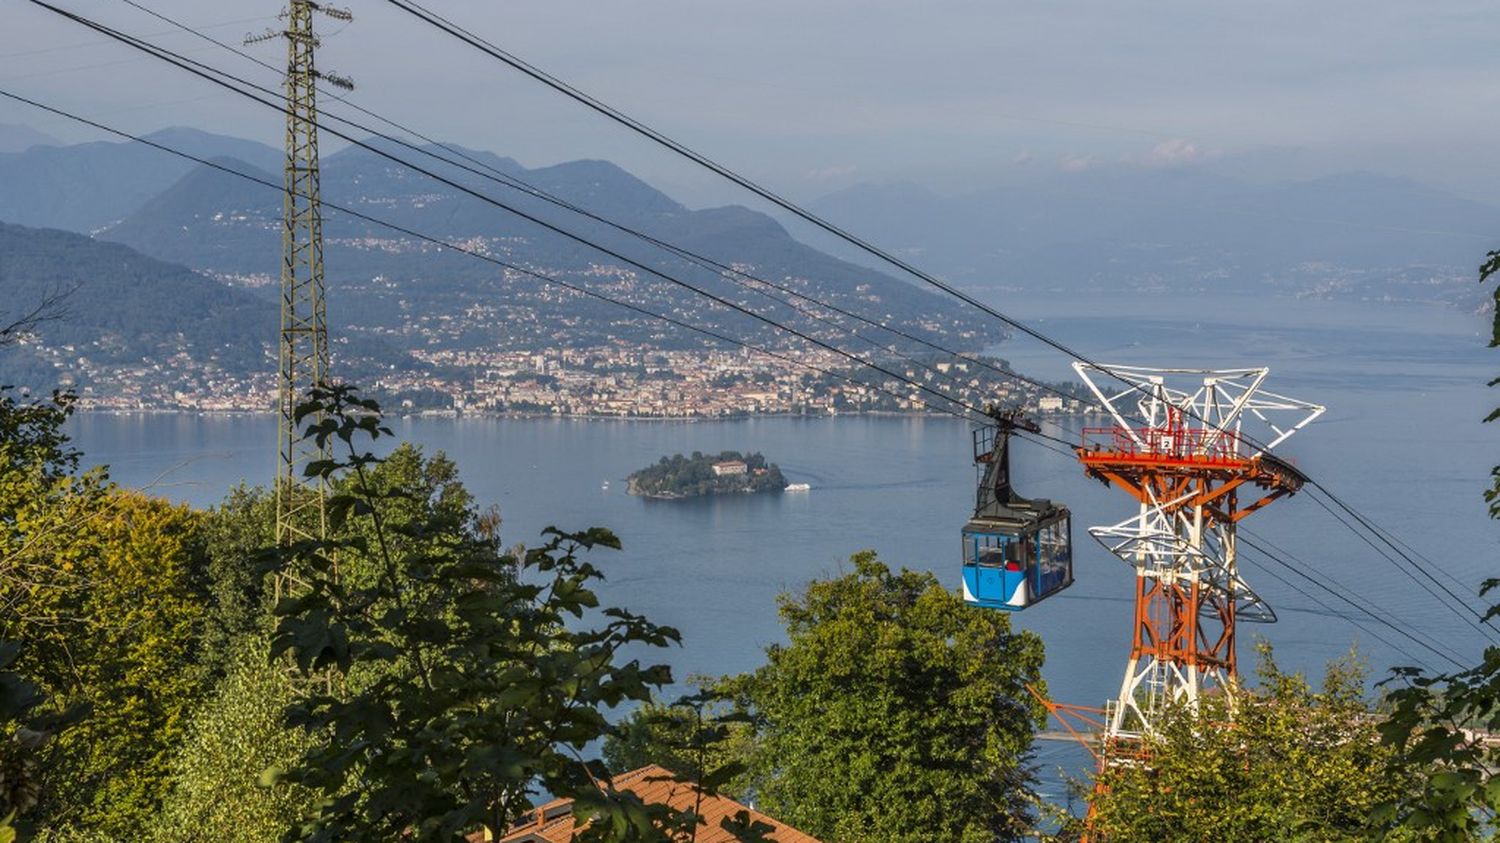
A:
(1174, 443)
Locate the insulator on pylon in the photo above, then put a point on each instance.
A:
(333, 11)
(268, 35)
(343, 83)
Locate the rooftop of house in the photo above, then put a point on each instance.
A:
(553, 822)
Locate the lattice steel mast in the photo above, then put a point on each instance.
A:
(303, 340)
(1186, 466)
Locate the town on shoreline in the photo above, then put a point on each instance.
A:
(637, 384)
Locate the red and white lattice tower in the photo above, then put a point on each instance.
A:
(1177, 447)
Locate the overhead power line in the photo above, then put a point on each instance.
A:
(734, 274)
(184, 64)
(462, 249)
(467, 36)
(1343, 594)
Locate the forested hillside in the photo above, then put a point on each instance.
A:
(119, 308)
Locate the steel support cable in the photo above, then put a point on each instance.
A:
(1344, 616)
(489, 172)
(1467, 610)
(1459, 608)
(787, 205)
(164, 54)
(440, 242)
(1391, 540)
(1425, 559)
(212, 75)
(467, 36)
(1343, 594)
(1045, 441)
(1269, 547)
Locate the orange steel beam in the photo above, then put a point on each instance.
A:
(1088, 720)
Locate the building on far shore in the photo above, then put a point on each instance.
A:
(730, 467)
(654, 785)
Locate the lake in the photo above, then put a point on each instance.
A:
(1402, 442)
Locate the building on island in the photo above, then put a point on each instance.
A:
(730, 467)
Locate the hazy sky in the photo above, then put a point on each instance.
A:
(812, 95)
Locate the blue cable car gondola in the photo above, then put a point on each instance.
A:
(1017, 551)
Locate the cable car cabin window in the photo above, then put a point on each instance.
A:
(996, 567)
(995, 550)
(1054, 557)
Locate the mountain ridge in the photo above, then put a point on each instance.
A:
(230, 228)
(1183, 228)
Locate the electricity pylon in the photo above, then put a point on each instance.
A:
(303, 340)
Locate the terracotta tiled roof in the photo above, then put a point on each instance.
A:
(653, 785)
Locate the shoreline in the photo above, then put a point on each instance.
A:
(633, 489)
(455, 414)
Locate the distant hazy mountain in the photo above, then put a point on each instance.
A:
(16, 138)
(87, 186)
(1181, 228)
(384, 282)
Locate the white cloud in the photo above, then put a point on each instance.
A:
(1176, 151)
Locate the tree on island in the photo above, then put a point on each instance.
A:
(683, 477)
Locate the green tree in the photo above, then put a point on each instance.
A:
(102, 587)
(1439, 723)
(27, 726)
(894, 713)
(700, 738)
(230, 742)
(43, 501)
(236, 534)
(470, 678)
(1292, 763)
(119, 635)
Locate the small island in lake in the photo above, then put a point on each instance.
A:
(726, 473)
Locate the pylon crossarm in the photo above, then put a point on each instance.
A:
(1083, 723)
